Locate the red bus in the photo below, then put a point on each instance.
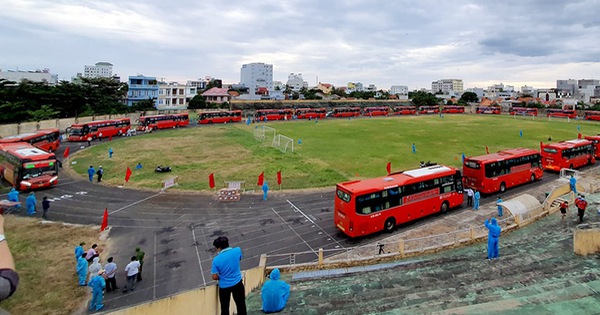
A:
(45, 139)
(26, 167)
(163, 121)
(429, 109)
(567, 154)
(453, 109)
(557, 112)
(488, 110)
(524, 111)
(596, 142)
(498, 171)
(220, 117)
(273, 114)
(405, 110)
(345, 112)
(363, 207)
(376, 111)
(98, 129)
(312, 113)
(592, 115)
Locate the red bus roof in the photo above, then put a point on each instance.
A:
(596, 137)
(26, 152)
(502, 155)
(396, 179)
(28, 135)
(153, 116)
(568, 144)
(95, 122)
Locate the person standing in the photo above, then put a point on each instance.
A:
(89, 140)
(91, 172)
(100, 172)
(573, 184)
(82, 269)
(110, 270)
(45, 207)
(581, 205)
(110, 153)
(469, 192)
(131, 270)
(31, 202)
(226, 270)
(498, 201)
(139, 254)
(414, 148)
(13, 196)
(493, 237)
(265, 189)
(94, 267)
(274, 293)
(563, 209)
(97, 284)
(476, 197)
(79, 250)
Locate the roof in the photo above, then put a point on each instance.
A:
(25, 150)
(216, 92)
(504, 154)
(568, 143)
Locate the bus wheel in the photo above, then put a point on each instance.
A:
(154, 128)
(532, 178)
(390, 224)
(502, 187)
(210, 121)
(444, 207)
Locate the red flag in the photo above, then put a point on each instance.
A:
(127, 174)
(261, 179)
(211, 180)
(279, 178)
(578, 136)
(487, 150)
(104, 220)
(388, 167)
(541, 144)
(110, 138)
(66, 154)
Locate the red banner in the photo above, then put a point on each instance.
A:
(211, 180)
(388, 167)
(66, 154)
(104, 220)
(127, 174)
(279, 178)
(487, 150)
(261, 179)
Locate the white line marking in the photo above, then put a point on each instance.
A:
(198, 255)
(323, 231)
(133, 204)
(154, 286)
(291, 228)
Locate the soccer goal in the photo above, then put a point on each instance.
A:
(283, 143)
(261, 132)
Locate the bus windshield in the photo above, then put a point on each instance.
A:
(472, 164)
(29, 173)
(550, 150)
(77, 131)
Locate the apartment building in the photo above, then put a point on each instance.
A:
(99, 70)
(447, 85)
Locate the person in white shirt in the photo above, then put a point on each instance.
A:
(110, 271)
(470, 193)
(131, 270)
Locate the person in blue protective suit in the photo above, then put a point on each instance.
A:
(30, 202)
(493, 237)
(274, 293)
(91, 172)
(82, 269)
(265, 189)
(476, 197)
(97, 284)
(13, 196)
(573, 184)
(498, 201)
(79, 250)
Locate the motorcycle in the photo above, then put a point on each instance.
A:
(162, 169)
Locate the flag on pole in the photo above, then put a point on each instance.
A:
(127, 174)
(261, 179)
(579, 136)
(388, 167)
(66, 154)
(487, 150)
(211, 180)
(279, 177)
(104, 220)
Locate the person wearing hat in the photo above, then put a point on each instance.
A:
(97, 284)
(100, 172)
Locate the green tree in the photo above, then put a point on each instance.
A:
(144, 105)
(468, 97)
(197, 102)
(45, 112)
(421, 98)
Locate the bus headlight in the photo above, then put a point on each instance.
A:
(53, 179)
(28, 184)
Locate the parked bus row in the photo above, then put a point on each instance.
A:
(363, 207)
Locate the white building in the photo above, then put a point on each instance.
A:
(447, 85)
(479, 91)
(399, 90)
(100, 70)
(296, 82)
(526, 89)
(256, 75)
(34, 76)
(172, 95)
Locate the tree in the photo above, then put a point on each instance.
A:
(144, 105)
(421, 98)
(468, 97)
(197, 102)
(44, 113)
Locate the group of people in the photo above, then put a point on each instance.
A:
(92, 171)
(92, 274)
(473, 197)
(30, 203)
(226, 269)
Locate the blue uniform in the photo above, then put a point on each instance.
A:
(476, 198)
(91, 172)
(414, 148)
(573, 184)
(13, 196)
(493, 238)
(82, 269)
(98, 284)
(265, 189)
(110, 153)
(499, 207)
(79, 251)
(274, 293)
(30, 202)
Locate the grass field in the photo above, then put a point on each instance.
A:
(45, 262)
(332, 150)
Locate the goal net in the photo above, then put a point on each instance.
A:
(262, 132)
(283, 143)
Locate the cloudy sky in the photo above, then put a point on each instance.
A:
(385, 43)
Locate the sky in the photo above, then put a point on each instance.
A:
(485, 42)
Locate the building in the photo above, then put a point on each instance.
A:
(142, 88)
(217, 95)
(99, 70)
(566, 88)
(256, 75)
(447, 85)
(400, 90)
(325, 88)
(525, 89)
(171, 95)
(296, 82)
(479, 91)
(43, 76)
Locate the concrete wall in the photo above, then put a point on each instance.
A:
(586, 240)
